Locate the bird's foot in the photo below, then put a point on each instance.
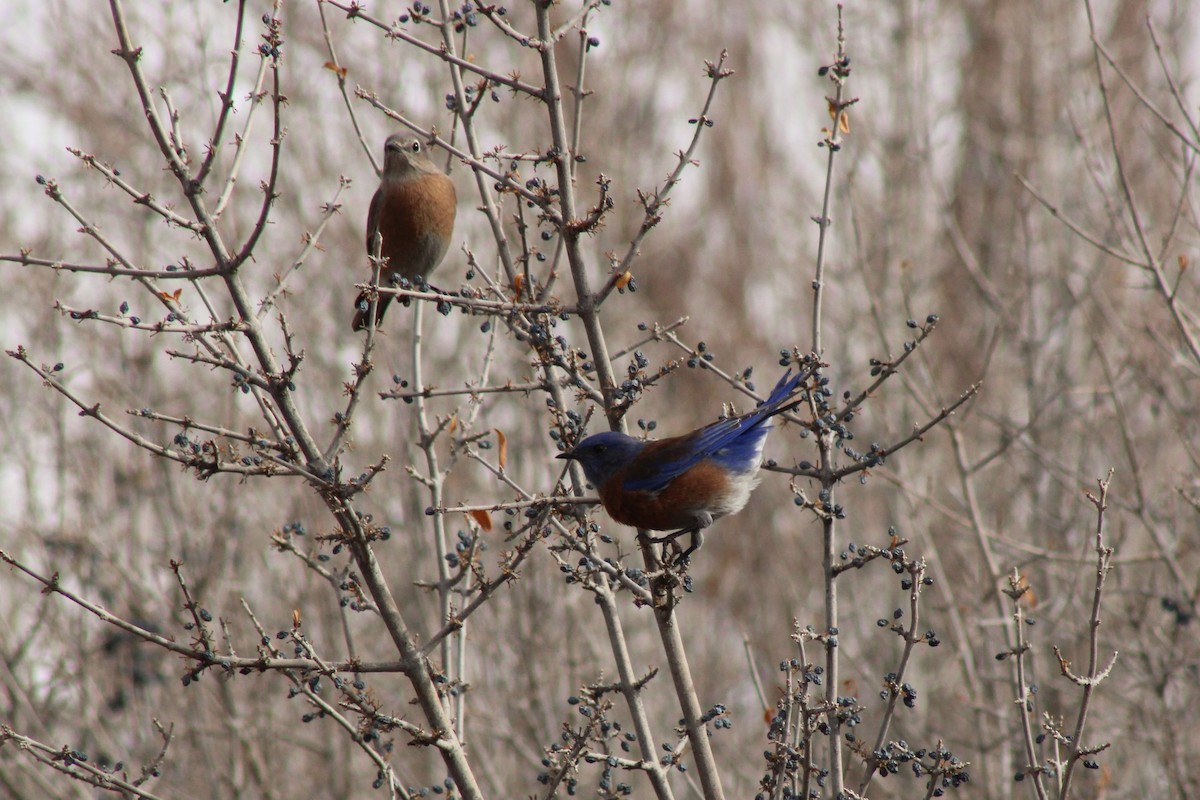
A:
(681, 557)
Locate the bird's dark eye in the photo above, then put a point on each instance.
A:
(600, 448)
(415, 147)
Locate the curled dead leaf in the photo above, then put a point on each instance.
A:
(502, 441)
(842, 119)
(1028, 595)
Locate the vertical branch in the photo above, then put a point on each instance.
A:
(838, 72)
(1013, 630)
(243, 138)
(1017, 587)
(632, 692)
(433, 481)
(482, 182)
(685, 691)
(340, 72)
(235, 53)
(916, 570)
(1094, 675)
(576, 132)
(826, 450)
(1150, 260)
(829, 564)
(412, 661)
(563, 155)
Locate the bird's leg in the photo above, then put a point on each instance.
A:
(672, 536)
(703, 520)
(671, 539)
(697, 541)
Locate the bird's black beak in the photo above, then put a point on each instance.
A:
(569, 455)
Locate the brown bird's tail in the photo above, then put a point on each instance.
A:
(361, 306)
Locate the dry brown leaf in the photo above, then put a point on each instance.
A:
(503, 442)
(1029, 596)
(842, 120)
(482, 518)
(339, 71)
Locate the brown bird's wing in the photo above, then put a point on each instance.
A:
(360, 314)
(660, 462)
(373, 218)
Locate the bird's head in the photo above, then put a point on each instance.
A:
(602, 455)
(403, 153)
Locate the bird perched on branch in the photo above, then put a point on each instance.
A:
(413, 211)
(685, 483)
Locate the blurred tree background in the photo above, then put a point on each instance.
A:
(1033, 191)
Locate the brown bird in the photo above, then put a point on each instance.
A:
(413, 210)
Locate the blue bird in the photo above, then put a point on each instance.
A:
(684, 483)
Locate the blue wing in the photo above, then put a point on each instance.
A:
(733, 443)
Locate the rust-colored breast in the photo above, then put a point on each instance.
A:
(701, 488)
(415, 216)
